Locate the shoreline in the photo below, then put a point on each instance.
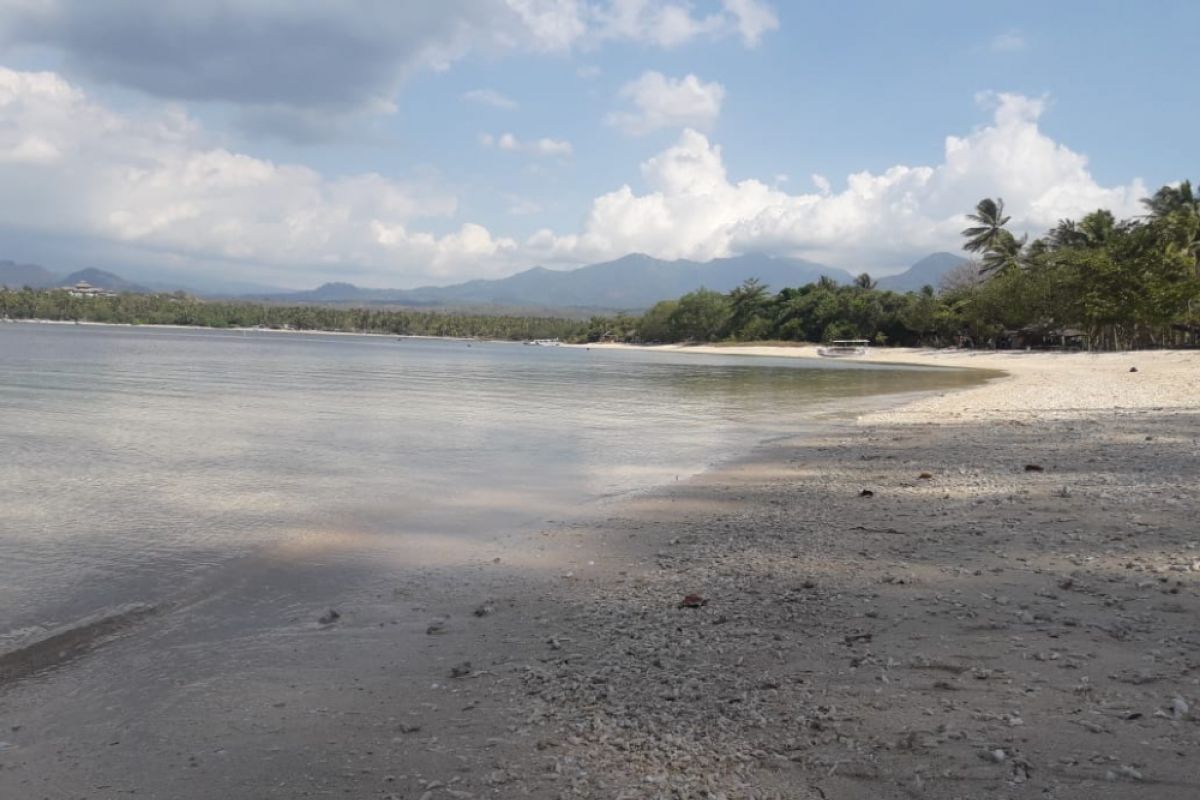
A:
(1035, 381)
(986, 631)
(1005, 615)
(156, 326)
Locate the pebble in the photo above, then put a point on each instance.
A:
(848, 649)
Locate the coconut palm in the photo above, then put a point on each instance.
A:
(1098, 228)
(1172, 199)
(990, 219)
(1182, 235)
(1065, 234)
(1003, 253)
(1175, 212)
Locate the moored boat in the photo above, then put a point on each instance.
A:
(841, 348)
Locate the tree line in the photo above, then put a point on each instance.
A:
(182, 309)
(1097, 282)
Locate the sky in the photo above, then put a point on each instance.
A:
(396, 144)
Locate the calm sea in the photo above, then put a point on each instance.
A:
(134, 460)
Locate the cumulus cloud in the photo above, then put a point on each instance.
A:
(490, 97)
(545, 146)
(661, 102)
(157, 182)
(289, 64)
(692, 209)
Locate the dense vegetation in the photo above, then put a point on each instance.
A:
(1097, 282)
(180, 309)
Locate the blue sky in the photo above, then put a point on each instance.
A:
(395, 144)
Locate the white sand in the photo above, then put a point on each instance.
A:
(1038, 383)
(1010, 612)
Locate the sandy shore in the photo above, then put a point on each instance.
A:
(1009, 613)
(1037, 383)
(990, 593)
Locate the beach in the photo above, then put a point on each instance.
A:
(990, 592)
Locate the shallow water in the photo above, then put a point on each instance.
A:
(135, 460)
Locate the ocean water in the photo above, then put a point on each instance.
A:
(133, 460)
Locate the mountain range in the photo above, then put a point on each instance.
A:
(926, 272)
(632, 282)
(16, 276)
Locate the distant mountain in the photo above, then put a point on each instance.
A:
(629, 283)
(209, 286)
(339, 292)
(103, 280)
(926, 272)
(17, 276)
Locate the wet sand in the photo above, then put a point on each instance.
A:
(972, 628)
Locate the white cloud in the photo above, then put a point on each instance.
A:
(490, 97)
(691, 208)
(546, 147)
(471, 250)
(553, 24)
(159, 182)
(300, 68)
(71, 167)
(662, 24)
(753, 19)
(1008, 42)
(662, 102)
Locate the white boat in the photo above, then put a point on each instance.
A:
(543, 342)
(841, 348)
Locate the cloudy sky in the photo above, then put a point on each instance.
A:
(398, 143)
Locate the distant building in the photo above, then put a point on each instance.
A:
(85, 289)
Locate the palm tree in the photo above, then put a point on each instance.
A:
(1172, 199)
(1097, 228)
(864, 281)
(1175, 212)
(1003, 253)
(1064, 234)
(990, 219)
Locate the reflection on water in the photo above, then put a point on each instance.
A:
(136, 458)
